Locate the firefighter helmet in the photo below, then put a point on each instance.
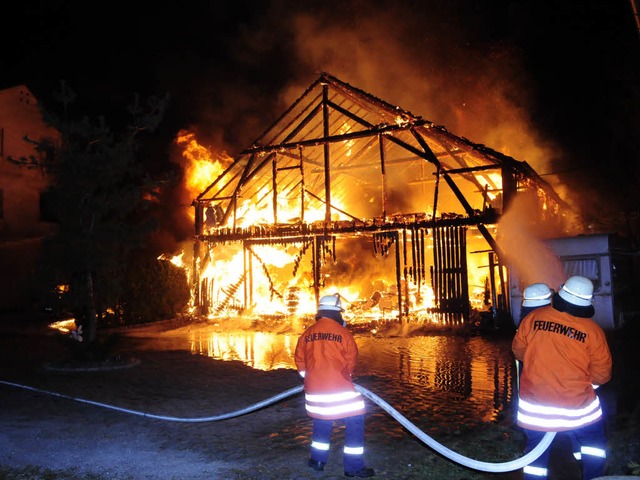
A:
(578, 291)
(536, 295)
(331, 302)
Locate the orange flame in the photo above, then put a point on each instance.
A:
(201, 165)
(275, 290)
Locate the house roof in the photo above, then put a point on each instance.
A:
(339, 152)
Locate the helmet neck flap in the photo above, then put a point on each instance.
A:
(332, 314)
(562, 305)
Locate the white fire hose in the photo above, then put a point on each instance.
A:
(456, 457)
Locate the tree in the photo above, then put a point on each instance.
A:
(155, 289)
(100, 197)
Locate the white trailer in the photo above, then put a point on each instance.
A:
(606, 259)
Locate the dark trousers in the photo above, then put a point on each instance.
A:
(588, 445)
(353, 459)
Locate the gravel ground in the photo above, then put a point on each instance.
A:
(61, 436)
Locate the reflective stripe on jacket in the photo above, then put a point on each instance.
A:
(326, 355)
(563, 358)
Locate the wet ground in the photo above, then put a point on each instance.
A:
(442, 381)
(457, 389)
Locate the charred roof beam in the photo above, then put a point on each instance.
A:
(290, 109)
(305, 121)
(380, 129)
(473, 169)
(350, 115)
(333, 207)
(364, 98)
(471, 178)
(461, 198)
(219, 178)
(300, 232)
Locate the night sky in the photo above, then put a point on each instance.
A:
(552, 83)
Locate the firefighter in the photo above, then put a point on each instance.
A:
(534, 296)
(326, 356)
(565, 357)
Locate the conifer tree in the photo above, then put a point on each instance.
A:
(100, 197)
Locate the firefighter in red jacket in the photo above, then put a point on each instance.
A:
(326, 355)
(565, 357)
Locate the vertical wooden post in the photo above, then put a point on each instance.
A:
(327, 156)
(398, 277)
(274, 188)
(302, 192)
(383, 172)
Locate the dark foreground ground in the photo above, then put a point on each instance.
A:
(49, 436)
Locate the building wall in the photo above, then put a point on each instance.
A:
(21, 226)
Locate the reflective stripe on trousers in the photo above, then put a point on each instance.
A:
(588, 445)
(353, 450)
(535, 472)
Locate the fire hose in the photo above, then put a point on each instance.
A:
(456, 457)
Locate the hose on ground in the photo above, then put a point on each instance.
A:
(448, 453)
(214, 418)
(456, 457)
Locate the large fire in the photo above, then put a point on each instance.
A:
(281, 279)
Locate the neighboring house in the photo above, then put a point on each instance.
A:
(22, 223)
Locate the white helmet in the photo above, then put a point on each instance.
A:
(331, 302)
(578, 291)
(536, 295)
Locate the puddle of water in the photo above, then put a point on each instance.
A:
(259, 350)
(455, 380)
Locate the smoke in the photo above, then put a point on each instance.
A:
(358, 269)
(172, 210)
(425, 61)
(453, 63)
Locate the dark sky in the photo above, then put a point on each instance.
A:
(550, 82)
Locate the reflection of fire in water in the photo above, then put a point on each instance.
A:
(276, 278)
(473, 371)
(263, 351)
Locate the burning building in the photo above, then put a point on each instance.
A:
(348, 193)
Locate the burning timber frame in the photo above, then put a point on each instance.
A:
(403, 178)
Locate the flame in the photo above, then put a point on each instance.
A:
(200, 164)
(344, 129)
(493, 181)
(176, 260)
(280, 277)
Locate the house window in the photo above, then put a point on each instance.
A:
(585, 267)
